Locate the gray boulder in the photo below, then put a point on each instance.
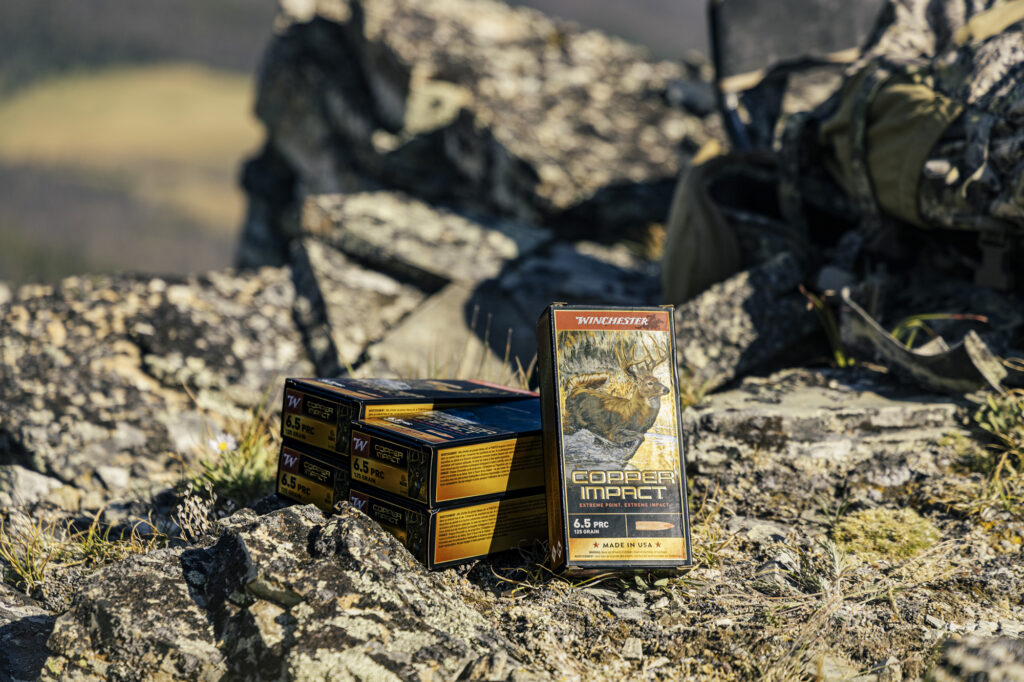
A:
(94, 371)
(477, 103)
(289, 595)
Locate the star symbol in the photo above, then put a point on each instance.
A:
(595, 544)
(657, 544)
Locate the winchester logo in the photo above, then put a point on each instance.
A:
(293, 401)
(358, 502)
(594, 320)
(359, 444)
(289, 460)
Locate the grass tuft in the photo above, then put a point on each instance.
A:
(245, 471)
(27, 552)
(35, 549)
(1000, 461)
(708, 533)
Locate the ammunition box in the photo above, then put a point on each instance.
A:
(452, 456)
(310, 477)
(319, 412)
(446, 537)
(615, 475)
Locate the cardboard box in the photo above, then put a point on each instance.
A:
(441, 538)
(311, 477)
(451, 456)
(319, 412)
(615, 475)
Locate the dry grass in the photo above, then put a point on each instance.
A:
(170, 135)
(998, 463)
(33, 549)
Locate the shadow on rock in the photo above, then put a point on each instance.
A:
(23, 644)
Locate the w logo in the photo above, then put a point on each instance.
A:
(293, 401)
(359, 444)
(289, 460)
(358, 502)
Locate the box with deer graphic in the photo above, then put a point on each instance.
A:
(615, 476)
(453, 456)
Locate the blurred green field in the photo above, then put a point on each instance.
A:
(123, 168)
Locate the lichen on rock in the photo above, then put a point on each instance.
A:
(886, 534)
(291, 594)
(415, 210)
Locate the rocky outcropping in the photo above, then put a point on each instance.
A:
(463, 149)
(468, 102)
(430, 173)
(515, 150)
(97, 373)
(288, 595)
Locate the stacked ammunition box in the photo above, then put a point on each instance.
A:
(451, 484)
(454, 484)
(615, 476)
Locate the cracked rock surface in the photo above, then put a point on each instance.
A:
(288, 595)
(477, 102)
(98, 366)
(435, 173)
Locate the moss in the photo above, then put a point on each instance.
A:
(881, 533)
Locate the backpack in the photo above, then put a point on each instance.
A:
(923, 130)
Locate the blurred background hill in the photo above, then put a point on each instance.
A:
(123, 124)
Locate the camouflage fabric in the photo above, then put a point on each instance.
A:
(961, 63)
(926, 128)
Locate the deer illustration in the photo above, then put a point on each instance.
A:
(621, 419)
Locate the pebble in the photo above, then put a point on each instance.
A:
(632, 649)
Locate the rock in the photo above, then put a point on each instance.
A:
(5, 293)
(270, 184)
(96, 368)
(481, 104)
(980, 658)
(580, 272)
(633, 649)
(630, 613)
(113, 477)
(21, 486)
(759, 532)
(798, 433)
(890, 671)
(743, 323)
(427, 245)
(24, 627)
(444, 337)
(341, 307)
(291, 594)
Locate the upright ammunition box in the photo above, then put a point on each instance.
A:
(312, 477)
(319, 412)
(453, 456)
(446, 537)
(615, 476)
